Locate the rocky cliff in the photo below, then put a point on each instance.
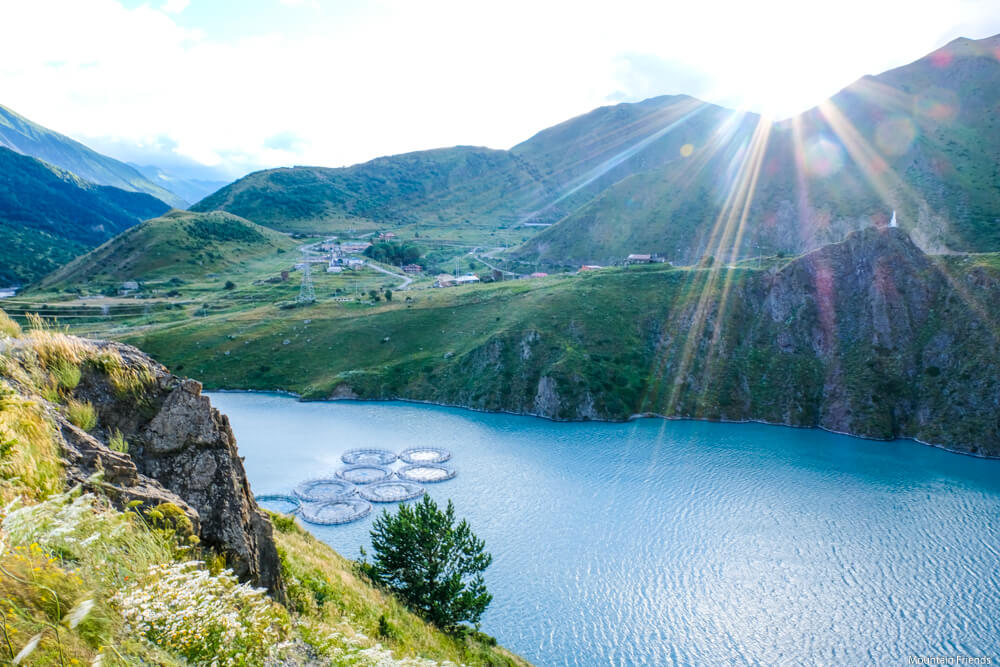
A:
(180, 450)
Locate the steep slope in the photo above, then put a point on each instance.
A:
(868, 336)
(921, 139)
(22, 135)
(179, 244)
(48, 216)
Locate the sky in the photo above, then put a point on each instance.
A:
(215, 89)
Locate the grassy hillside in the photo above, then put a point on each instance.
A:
(86, 583)
(179, 244)
(22, 135)
(457, 186)
(869, 336)
(48, 216)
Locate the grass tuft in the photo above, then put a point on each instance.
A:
(81, 414)
(8, 327)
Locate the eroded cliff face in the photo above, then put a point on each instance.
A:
(181, 450)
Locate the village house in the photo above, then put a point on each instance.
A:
(412, 268)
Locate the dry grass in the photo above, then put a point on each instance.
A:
(29, 465)
(128, 380)
(8, 327)
(333, 597)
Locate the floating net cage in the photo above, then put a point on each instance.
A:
(425, 472)
(323, 489)
(364, 474)
(391, 492)
(416, 455)
(333, 512)
(279, 503)
(378, 457)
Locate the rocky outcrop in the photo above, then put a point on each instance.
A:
(189, 447)
(181, 450)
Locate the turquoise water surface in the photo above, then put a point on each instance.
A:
(689, 543)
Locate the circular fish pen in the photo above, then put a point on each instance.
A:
(324, 489)
(279, 503)
(419, 455)
(378, 457)
(334, 512)
(364, 474)
(425, 472)
(393, 491)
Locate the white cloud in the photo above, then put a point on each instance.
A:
(175, 6)
(398, 76)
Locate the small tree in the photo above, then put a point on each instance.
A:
(388, 295)
(230, 285)
(435, 565)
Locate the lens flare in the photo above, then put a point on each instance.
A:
(823, 157)
(686, 150)
(937, 104)
(895, 135)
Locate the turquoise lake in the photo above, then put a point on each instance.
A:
(689, 543)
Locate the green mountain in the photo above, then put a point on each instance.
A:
(922, 139)
(49, 216)
(22, 135)
(538, 181)
(449, 185)
(180, 244)
(685, 179)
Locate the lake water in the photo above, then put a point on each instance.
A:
(689, 543)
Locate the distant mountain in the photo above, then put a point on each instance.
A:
(189, 189)
(49, 216)
(923, 139)
(539, 181)
(449, 185)
(686, 179)
(24, 136)
(179, 244)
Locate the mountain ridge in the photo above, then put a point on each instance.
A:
(29, 138)
(655, 176)
(48, 216)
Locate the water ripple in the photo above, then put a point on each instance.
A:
(681, 543)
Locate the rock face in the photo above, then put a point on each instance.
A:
(182, 450)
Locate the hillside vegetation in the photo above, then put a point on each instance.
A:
(179, 244)
(869, 336)
(27, 137)
(48, 216)
(90, 576)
